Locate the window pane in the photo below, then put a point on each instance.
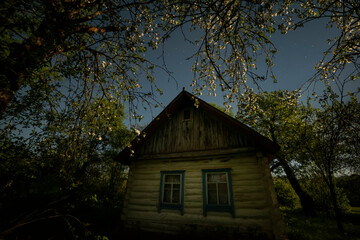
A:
(223, 178)
(171, 190)
(172, 178)
(212, 197)
(167, 193)
(176, 193)
(212, 177)
(218, 177)
(223, 193)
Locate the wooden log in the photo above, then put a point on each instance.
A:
(193, 198)
(142, 202)
(249, 189)
(140, 208)
(249, 196)
(144, 195)
(254, 204)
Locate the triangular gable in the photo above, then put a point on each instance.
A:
(230, 126)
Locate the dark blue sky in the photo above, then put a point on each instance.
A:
(298, 52)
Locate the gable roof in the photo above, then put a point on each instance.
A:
(185, 99)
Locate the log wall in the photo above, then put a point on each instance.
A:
(252, 194)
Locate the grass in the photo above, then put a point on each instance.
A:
(355, 210)
(300, 227)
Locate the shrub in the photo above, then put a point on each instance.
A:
(321, 195)
(285, 193)
(351, 186)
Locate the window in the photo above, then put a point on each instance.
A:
(217, 190)
(171, 194)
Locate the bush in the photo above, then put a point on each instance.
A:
(351, 187)
(285, 193)
(321, 195)
(301, 227)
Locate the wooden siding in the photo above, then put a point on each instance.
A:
(202, 132)
(252, 201)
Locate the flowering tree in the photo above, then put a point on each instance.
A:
(279, 116)
(105, 42)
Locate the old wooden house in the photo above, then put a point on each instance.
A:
(194, 169)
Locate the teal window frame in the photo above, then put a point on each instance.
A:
(218, 207)
(175, 206)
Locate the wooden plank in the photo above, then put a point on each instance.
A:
(239, 197)
(157, 140)
(193, 191)
(252, 213)
(249, 189)
(193, 198)
(222, 141)
(165, 137)
(144, 195)
(240, 176)
(175, 218)
(203, 153)
(191, 167)
(170, 141)
(149, 176)
(176, 135)
(188, 135)
(194, 211)
(146, 189)
(214, 134)
(250, 176)
(193, 205)
(149, 183)
(255, 182)
(243, 170)
(192, 184)
(140, 208)
(254, 204)
(196, 142)
(162, 227)
(194, 180)
(202, 131)
(143, 201)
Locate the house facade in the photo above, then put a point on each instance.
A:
(196, 170)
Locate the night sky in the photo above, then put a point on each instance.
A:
(297, 54)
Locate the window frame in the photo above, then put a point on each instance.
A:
(217, 207)
(174, 206)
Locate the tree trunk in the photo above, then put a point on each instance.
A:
(306, 200)
(335, 204)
